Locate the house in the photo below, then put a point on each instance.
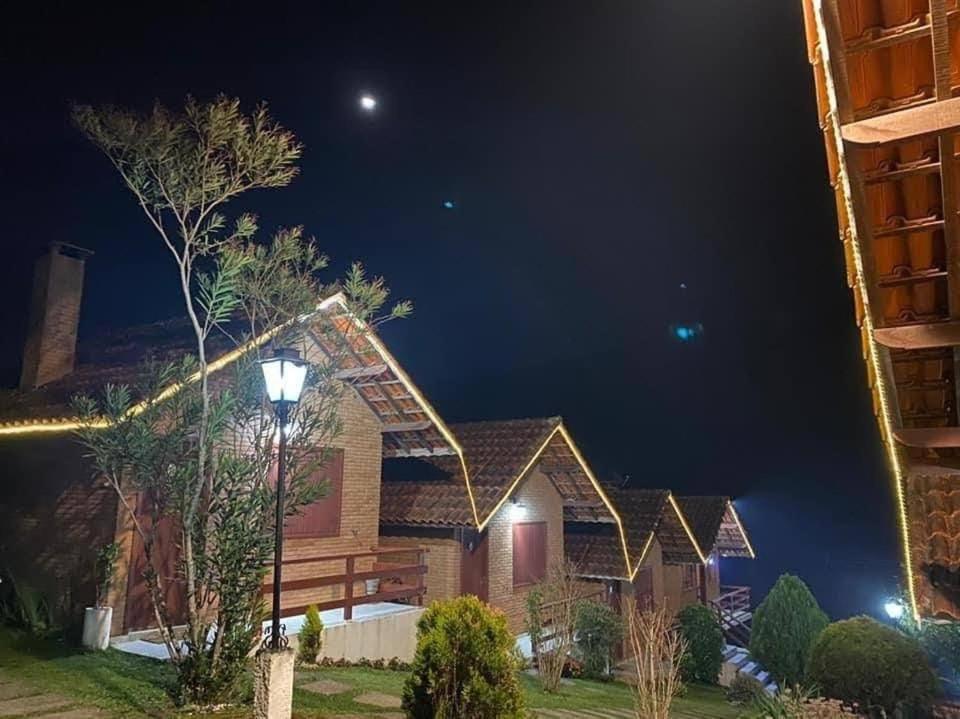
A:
(677, 543)
(885, 77)
(416, 510)
(56, 514)
(493, 516)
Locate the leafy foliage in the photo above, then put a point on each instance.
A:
(105, 570)
(941, 642)
(25, 607)
(799, 703)
(552, 613)
(311, 636)
(745, 689)
(785, 625)
(704, 639)
(465, 665)
(862, 661)
(598, 630)
(197, 451)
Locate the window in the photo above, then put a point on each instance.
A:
(691, 576)
(529, 553)
(321, 518)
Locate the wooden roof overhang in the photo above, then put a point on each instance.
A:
(410, 425)
(886, 75)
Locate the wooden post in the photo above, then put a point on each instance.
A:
(348, 592)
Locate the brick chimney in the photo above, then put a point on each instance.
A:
(51, 347)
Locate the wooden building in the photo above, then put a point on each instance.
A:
(886, 78)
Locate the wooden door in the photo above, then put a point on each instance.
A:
(139, 614)
(643, 589)
(475, 565)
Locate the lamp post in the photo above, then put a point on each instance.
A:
(283, 375)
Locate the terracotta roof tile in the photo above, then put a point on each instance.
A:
(597, 552)
(714, 525)
(937, 497)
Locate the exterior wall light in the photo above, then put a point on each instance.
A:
(518, 512)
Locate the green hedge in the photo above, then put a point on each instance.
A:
(860, 660)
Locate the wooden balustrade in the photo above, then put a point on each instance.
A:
(408, 577)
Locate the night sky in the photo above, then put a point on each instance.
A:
(599, 155)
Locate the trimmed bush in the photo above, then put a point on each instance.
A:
(598, 628)
(704, 639)
(744, 690)
(860, 660)
(311, 636)
(785, 626)
(465, 666)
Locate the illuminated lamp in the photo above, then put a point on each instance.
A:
(894, 609)
(518, 512)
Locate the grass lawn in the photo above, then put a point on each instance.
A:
(127, 686)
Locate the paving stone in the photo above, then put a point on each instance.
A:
(378, 699)
(326, 686)
(12, 690)
(33, 705)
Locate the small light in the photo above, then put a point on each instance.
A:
(368, 102)
(284, 374)
(893, 608)
(518, 512)
(711, 560)
(449, 204)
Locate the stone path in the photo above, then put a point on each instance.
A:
(586, 714)
(18, 699)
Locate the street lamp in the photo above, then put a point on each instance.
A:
(283, 375)
(894, 609)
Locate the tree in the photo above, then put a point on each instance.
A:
(192, 450)
(785, 625)
(704, 638)
(551, 621)
(657, 651)
(465, 666)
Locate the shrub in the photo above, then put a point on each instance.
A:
(785, 626)
(105, 569)
(941, 641)
(311, 636)
(465, 666)
(860, 660)
(704, 639)
(799, 703)
(745, 689)
(598, 630)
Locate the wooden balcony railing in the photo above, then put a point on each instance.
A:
(733, 599)
(400, 580)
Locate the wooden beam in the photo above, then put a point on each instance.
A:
(435, 452)
(929, 119)
(406, 426)
(358, 372)
(918, 337)
(929, 437)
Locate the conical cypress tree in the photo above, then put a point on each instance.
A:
(785, 626)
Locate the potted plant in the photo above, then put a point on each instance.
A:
(97, 619)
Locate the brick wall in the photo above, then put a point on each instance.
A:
(443, 561)
(362, 445)
(676, 596)
(51, 344)
(53, 519)
(543, 504)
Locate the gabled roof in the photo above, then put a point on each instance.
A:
(646, 513)
(716, 526)
(494, 457)
(410, 424)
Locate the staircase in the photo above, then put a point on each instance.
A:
(737, 660)
(732, 608)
